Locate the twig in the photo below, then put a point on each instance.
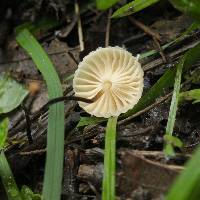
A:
(28, 123)
(65, 32)
(145, 28)
(154, 35)
(80, 31)
(28, 153)
(107, 38)
(160, 49)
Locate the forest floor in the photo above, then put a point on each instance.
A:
(143, 172)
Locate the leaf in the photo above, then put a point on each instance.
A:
(3, 132)
(133, 7)
(109, 160)
(169, 149)
(38, 27)
(11, 94)
(173, 140)
(194, 76)
(84, 121)
(55, 132)
(186, 186)
(191, 7)
(105, 4)
(27, 194)
(190, 95)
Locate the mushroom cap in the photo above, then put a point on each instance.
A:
(112, 78)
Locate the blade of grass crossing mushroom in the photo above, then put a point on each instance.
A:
(55, 132)
(108, 192)
(5, 171)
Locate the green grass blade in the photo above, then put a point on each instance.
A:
(38, 27)
(28, 194)
(191, 95)
(3, 132)
(133, 7)
(174, 101)
(187, 185)
(85, 121)
(168, 149)
(105, 4)
(55, 132)
(108, 192)
(5, 171)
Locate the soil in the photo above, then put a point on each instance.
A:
(143, 172)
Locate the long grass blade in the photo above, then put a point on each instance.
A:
(55, 132)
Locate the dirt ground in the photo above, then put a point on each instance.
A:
(143, 172)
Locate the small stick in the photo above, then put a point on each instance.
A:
(68, 98)
(66, 31)
(107, 38)
(37, 151)
(28, 123)
(161, 52)
(149, 31)
(80, 31)
(145, 28)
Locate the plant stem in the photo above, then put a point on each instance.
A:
(108, 192)
(8, 179)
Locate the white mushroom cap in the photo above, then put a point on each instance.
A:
(112, 78)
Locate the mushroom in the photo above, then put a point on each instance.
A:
(112, 78)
